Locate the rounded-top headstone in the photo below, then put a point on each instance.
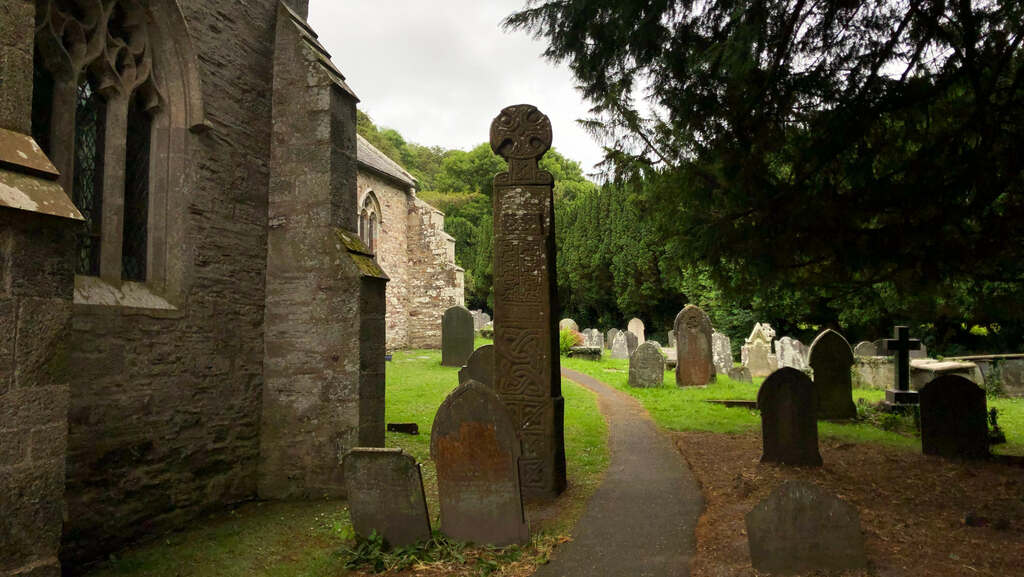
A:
(456, 336)
(636, 326)
(479, 367)
(647, 366)
(476, 451)
(865, 349)
(568, 325)
(831, 359)
(695, 364)
(954, 418)
(789, 428)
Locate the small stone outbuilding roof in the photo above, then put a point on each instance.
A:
(371, 158)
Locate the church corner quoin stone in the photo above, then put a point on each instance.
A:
(456, 336)
(789, 428)
(474, 445)
(526, 351)
(694, 361)
(385, 495)
(832, 359)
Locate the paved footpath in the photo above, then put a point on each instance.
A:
(640, 522)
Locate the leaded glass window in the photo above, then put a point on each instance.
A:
(136, 194)
(87, 188)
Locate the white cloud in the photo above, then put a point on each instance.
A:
(440, 71)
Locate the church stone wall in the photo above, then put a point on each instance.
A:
(392, 251)
(436, 282)
(165, 402)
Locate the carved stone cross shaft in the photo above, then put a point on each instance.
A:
(901, 346)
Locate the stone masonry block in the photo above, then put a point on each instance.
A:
(41, 355)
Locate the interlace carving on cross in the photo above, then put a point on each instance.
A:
(521, 135)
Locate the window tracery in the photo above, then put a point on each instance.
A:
(370, 221)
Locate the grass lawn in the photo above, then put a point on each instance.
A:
(272, 539)
(683, 409)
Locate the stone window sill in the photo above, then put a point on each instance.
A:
(94, 291)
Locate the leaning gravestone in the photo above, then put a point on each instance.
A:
(832, 359)
(476, 451)
(789, 429)
(954, 421)
(721, 352)
(456, 336)
(636, 326)
(620, 346)
(740, 374)
(385, 494)
(791, 353)
(568, 325)
(479, 367)
(757, 351)
(526, 363)
(800, 529)
(865, 349)
(647, 366)
(609, 337)
(694, 362)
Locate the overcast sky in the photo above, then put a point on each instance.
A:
(440, 71)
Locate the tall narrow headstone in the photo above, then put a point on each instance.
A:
(636, 326)
(474, 445)
(456, 336)
(832, 359)
(954, 419)
(647, 366)
(789, 428)
(527, 375)
(385, 494)
(694, 362)
(609, 337)
(721, 352)
(620, 346)
(479, 367)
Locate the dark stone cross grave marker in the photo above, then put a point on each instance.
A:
(901, 347)
(526, 363)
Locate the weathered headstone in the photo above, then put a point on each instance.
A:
(865, 349)
(757, 351)
(480, 319)
(694, 362)
(647, 366)
(568, 325)
(474, 445)
(527, 374)
(954, 419)
(801, 529)
(479, 367)
(385, 494)
(593, 338)
(832, 361)
(620, 346)
(901, 346)
(671, 339)
(721, 352)
(636, 326)
(741, 374)
(791, 353)
(789, 428)
(456, 336)
(609, 337)
(880, 348)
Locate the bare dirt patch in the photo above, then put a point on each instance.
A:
(921, 516)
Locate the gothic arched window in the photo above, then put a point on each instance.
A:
(370, 221)
(94, 99)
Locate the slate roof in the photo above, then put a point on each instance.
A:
(375, 160)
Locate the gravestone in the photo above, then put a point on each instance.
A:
(476, 451)
(609, 337)
(526, 364)
(593, 338)
(789, 428)
(954, 419)
(880, 348)
(865, 349)
(832, 361)
(568, 325)
(920, 353)
(791, 353)
(757, 351)
(636, 326)
(694, 362)
(385, 494)
(456, 336)
(479, 367)
(741, 374)
(647, 366)
(801, 529)
(900, 395)
(480, 319)
(671, 339)
(721, 352)
(620, 347)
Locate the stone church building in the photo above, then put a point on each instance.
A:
(193, 309)
(407, 236)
